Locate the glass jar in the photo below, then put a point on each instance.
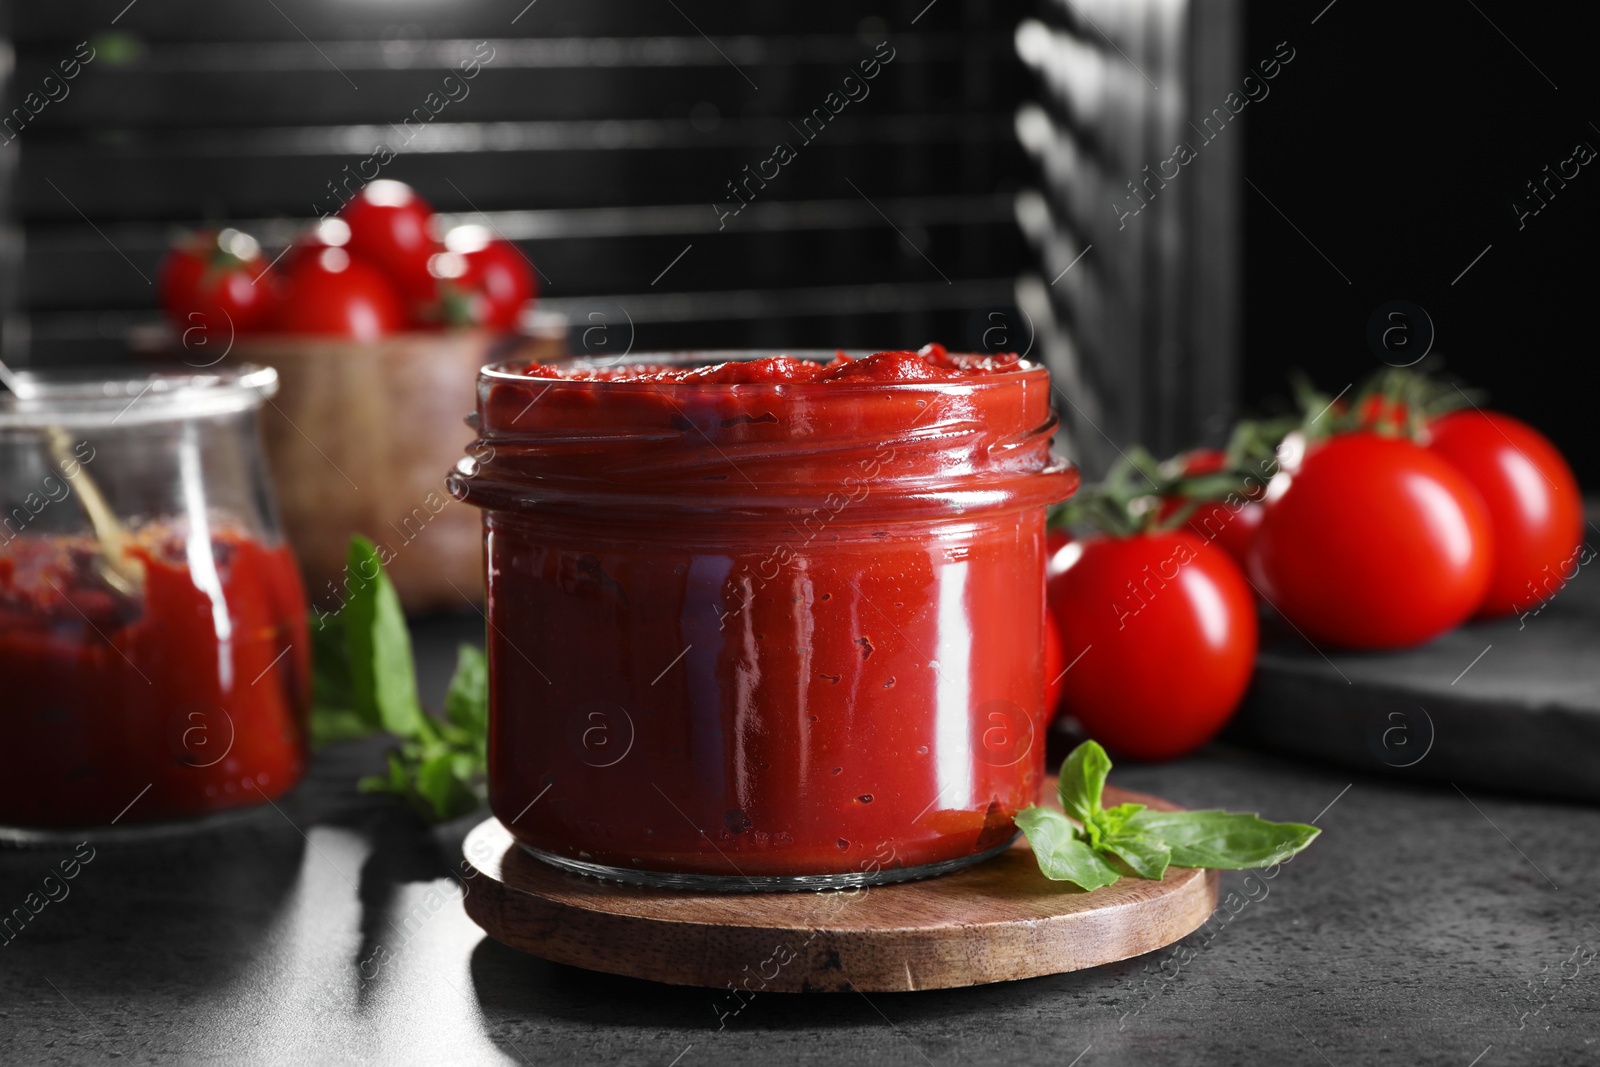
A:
(769, 634)
(154, 656)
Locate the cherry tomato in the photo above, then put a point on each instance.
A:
(1375, 543)
(218, 282)
(482, 280)
(1054, 539)
(1231, 524)
(1380, 411)
(1535, 508)
(331, 232)
(330, 294)
(1054, 663)
(1160, 634)
(391, 228)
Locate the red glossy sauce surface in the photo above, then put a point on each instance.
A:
(786, 625)
(198, 685)
(930, 364)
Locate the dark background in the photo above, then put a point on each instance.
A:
(602, 133)
(1398, 145)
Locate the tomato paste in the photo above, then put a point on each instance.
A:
(187, 695)
(765, 618)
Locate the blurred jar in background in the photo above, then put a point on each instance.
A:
(154, 654)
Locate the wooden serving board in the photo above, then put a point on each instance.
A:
(993, 922)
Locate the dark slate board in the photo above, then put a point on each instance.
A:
(1525, 717)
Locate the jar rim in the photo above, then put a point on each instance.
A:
(760, 450)
(96, 398)
(510, 371)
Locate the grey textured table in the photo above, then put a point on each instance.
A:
(1427, 926)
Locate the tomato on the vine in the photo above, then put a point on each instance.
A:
(331, 294)
(1159, 630)
(1233, 529)
(1054, 539)
(391, 228)
(1375, 543)
(1373, 411)
(218, 282)
(1231, 523)
(1535, 508)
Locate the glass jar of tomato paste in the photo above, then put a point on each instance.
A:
(154, 659)
(764, 623)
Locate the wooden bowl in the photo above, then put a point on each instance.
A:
(360, 438)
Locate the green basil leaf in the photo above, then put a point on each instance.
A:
(330, 669)
(383, 675)
(441, 783)
(1062, 856)
(396, 782)
(334, 715)
(1111, 820)
(467, 701)
(1222, 840)
(366, 683)
(1145, 855)
(1083, 779)
(336, 724)
(438, 785)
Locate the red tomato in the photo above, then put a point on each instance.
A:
(218, 282)
(1166, 631)
(332, 295)
(391, 228)
(1054, 663)
(505, 278)
(1204, 461)
(1375, 543)
(1054, 539)
(331, 232)
(1232, 524)
(1535, 508)
(1379, 410)
(482, 281)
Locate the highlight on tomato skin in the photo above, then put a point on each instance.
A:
(1160, 634)
(1375, 543)
(1534, 504)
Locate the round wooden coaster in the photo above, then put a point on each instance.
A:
(994, 922)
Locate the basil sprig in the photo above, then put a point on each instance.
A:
(364, 682)
(1096, 845)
